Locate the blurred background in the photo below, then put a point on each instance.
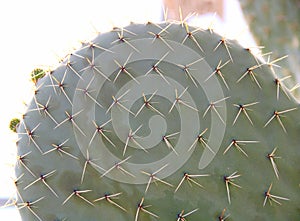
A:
(39, 33)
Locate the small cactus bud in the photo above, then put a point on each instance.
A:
(14, 123)
(36, 74)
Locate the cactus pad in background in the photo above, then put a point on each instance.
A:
(165, 115)
(275, 25)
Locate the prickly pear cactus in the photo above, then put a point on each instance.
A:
(159, 122)
(275, 25)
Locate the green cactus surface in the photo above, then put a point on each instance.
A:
(160, 122)
(275, 25)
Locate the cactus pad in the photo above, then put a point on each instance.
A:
(275, 25)
(159, 122)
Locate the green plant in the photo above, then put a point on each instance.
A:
(166, 115)
(275, 25)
